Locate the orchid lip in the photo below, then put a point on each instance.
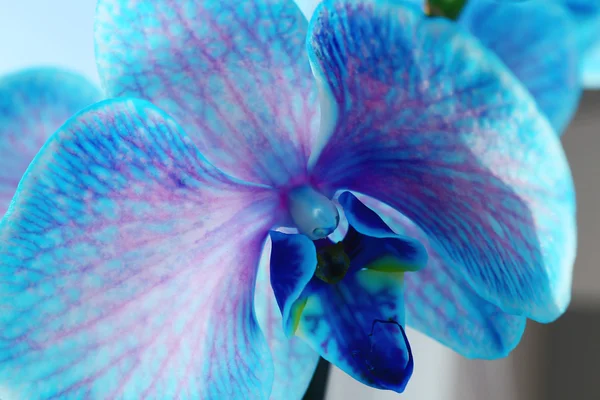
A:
(332, 263)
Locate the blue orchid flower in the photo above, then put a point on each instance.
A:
(537, 41)
(584, 29)
(33, 104)
(130, 250)
(586, 15)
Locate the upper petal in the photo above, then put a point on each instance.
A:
(294, 361)
(586, 14)
(441, 303)
(128, 267)
(234, 74)
(427, 121)
(586, 17)
(538, 42)
(33, 104)
(293, 263)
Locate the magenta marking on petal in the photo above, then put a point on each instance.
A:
(340, 321)
(235, 75)
(129, 266)
(435, 125)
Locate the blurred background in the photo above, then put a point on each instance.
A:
(554, 362)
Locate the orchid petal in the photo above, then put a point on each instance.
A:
(591, 68)
(293, 263)
(586, 15)
(33, 104)
(307, 7)
(128, 267)
(294, 361)
(537, 41)
(441, 303)
(409, 253)
(234, 74)
(426, 120)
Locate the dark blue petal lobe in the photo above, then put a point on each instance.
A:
(294, 361)
(358, 325)
(293, 263)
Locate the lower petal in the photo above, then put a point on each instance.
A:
(441, 303)
(401, 252)
(128, 267)
(33, 104)
(346, 299)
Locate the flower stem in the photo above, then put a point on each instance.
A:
(318, 385)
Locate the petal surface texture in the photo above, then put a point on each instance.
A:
(294, 361)
(441, 303)
(128, 267)
(33, 104)
(426, 120)
(537, 40)
(234, 74)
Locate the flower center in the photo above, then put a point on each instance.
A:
(332, 263)
(313, 214)
(450, 9)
